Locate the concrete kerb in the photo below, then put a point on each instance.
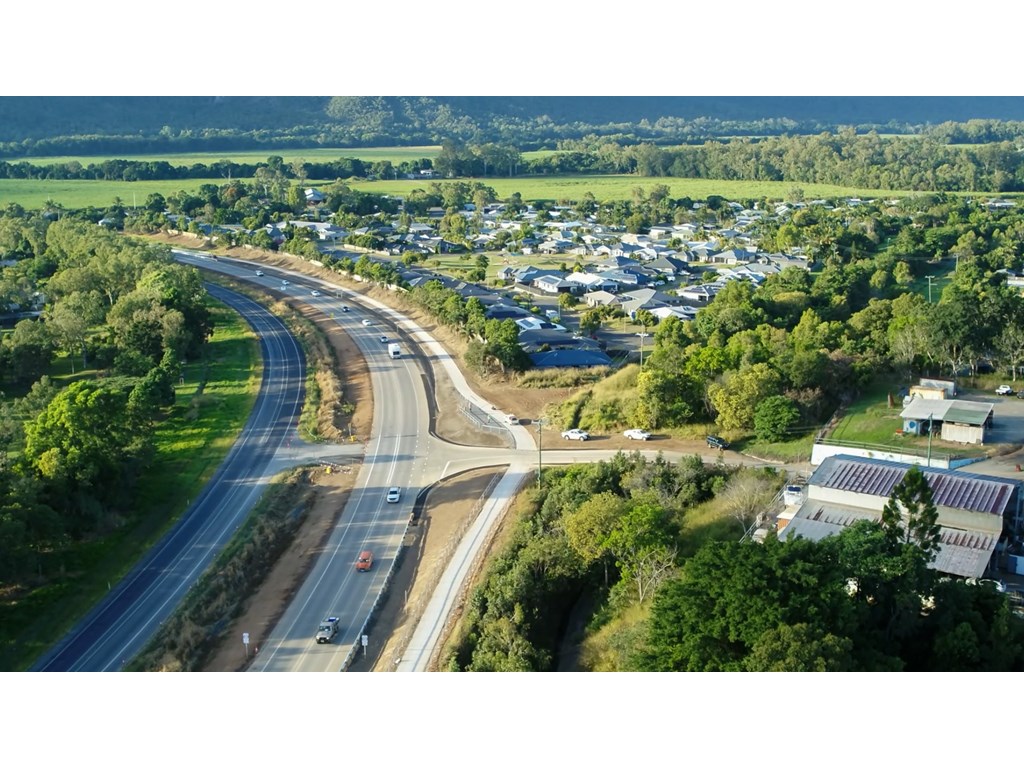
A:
(434, 349)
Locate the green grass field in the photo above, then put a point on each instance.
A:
(190, 444)
(617, 187)
(32, 193)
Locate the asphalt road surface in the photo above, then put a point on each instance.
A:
(121, 624)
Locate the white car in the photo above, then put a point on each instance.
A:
(637, 434)
(575, 434)
(367, 323)
(1004, 389)
(259, 273)
(327, 630)
(511, 419)
(394, 494)
(284, 283)
(315, 293)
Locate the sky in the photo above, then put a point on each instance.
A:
(525, 48)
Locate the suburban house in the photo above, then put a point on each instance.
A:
(601, 299)
(553, 284)
(973, 510)
(701, 294)
(683, 312)
(570, 358)
(587, 281)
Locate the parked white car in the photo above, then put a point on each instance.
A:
(637, 434)
(575, 434)
(1004, 389)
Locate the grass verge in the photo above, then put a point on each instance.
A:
(186, 640)
(211, 408)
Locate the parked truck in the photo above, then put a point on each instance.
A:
(394, 350)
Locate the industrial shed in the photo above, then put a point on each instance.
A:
(974, 510)
(956, 421)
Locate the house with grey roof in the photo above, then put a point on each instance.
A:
(553, 284)
(601, 299)
(701, 294)
(570, 358)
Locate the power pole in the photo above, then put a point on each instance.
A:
(929, 440)
(540, 450)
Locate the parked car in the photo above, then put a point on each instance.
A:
(1021, 394)
(637, 434)
(394, 494)
(1004, 389)
(575, 434)
(365, 561)
(714, 441)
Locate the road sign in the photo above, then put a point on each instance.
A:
(366, 640)
(245, 638)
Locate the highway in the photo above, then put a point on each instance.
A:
(121, 624)
(400, 452)
(397, 454)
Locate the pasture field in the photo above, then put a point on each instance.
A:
(620, 187)
(34, 193)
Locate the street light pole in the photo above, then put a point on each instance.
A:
(540, 450)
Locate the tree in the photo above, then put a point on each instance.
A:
(84, 445)
(29, 350)
(736, 398)
(774, 417)
(800, 648)
(590, 322)
(748, 494)
(71, 318)
(910, 516)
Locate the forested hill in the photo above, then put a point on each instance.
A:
(105, 124)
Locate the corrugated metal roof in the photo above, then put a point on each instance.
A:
(966, 412)
(959, 411)
(961, 552)
(950, 488)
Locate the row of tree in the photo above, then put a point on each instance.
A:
(70, 457)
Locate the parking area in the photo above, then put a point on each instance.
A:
(1007, 417)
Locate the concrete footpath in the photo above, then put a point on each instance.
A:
(424, 644)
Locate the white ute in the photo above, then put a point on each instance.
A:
(328, 629)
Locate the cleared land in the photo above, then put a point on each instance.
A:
(35, 193)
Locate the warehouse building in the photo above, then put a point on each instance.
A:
(975, 512)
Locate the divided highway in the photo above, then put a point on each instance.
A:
(116, 629)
